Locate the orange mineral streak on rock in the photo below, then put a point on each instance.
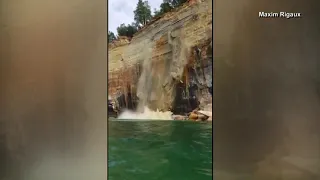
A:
(192, 2)
(121, 41)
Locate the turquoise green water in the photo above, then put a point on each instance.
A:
(159, 150)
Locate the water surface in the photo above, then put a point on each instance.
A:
(159, 150)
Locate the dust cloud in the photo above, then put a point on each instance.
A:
(156, 84)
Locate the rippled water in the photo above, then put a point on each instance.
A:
(159, 150)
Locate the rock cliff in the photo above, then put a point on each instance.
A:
(164, 60)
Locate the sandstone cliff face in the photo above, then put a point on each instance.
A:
(162, 52)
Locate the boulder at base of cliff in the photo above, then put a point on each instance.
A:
(199, 115)
(208, 113)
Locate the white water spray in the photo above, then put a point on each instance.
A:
(147, 114)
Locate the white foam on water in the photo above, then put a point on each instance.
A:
(147, 114)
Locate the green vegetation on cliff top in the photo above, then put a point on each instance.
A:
(142, 15)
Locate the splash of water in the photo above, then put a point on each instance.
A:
(147, 114)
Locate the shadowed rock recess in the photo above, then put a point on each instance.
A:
(168, 64)
(266, 91)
